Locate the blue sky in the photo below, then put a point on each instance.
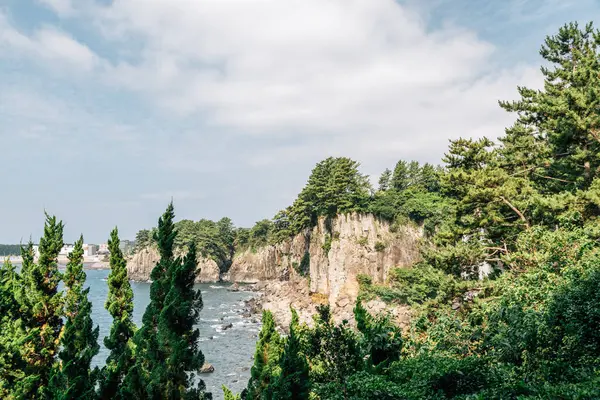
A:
(110, 109)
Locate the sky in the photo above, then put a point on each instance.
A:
(110, 109)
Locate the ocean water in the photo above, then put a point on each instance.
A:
(230, 351)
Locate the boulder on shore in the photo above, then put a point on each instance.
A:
(207, 368)
(234, 288)
(227, 326)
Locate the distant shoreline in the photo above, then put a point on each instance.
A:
(88, 262)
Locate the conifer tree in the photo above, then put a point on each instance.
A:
(42, 304)
(385, 180)
(10, 329)
(177, 338)
(400, 179)
(74, 378)
(557, 132)
(143, 379)
(228, 394)
(120, 306)
(266, 359)
(293, 382)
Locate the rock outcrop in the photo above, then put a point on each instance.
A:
(140, 265)
(337, 253)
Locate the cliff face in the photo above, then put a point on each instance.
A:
(141, 264)
(353, 245)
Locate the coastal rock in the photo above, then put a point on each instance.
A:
(207, 368)
(226, 326)
(140, 265)
(338, 252)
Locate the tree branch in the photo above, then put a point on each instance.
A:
(516, 210)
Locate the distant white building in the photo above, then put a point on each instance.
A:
(103, 248)
(90, 250)
(66, 250)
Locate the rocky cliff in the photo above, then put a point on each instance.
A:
(141, 264)
(336, 253)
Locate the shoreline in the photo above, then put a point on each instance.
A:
(90, 263)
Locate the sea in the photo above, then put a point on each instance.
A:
(230, 350)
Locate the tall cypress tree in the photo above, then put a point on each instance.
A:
(42, 304)
(178, 340)
(266, 359)
(120, 306)
(143, 379)
(293, 383)
(11, 364)
(74, 378)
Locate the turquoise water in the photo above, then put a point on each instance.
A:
(229, 351)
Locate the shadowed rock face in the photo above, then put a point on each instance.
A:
(359, 244)
(141, 264)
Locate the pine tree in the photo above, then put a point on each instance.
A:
(228, 394)
(177, 338)
(266, 359)
(558, 128)
(335, 186)
(11, 364)
(42, 305)
(400, 179)
(75, 378)
(293, 382)
(384, 180)
(120, 306)
(143, 379)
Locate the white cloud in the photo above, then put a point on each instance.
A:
(47, 44)
(365, 72)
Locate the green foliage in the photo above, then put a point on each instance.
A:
(144, 238)
(334, 187)
(74, 378)
(228, 394)
(142, 380)
(415, 285)
(333, 350)
(380, 246)
(119, 304)
(385, 180)
(10, 249)
(304, 268)
(293, 381)
(11, 363)
(381, 339)
(266, 367)
(42, 306)
(215, 240)
(166, 348)
(327, 243)
(362, 241)
(177, 337)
